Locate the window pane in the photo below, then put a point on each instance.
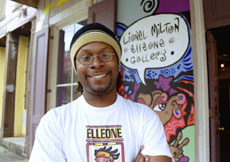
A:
(63, 95)
(64, 69)
(64, 61)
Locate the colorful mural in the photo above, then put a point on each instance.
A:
(157, 67)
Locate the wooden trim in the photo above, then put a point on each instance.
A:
(212, 113)
(39, 81)
(10, 83)
(216, 13)
(52, 68)
(28, 84)
(105, 13)
(200, 82)
(32, 3)
(70, 15)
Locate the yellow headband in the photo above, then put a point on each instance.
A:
(94, 36)
(103, 153)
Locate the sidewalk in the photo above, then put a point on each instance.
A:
(15, 145)
(7, 156)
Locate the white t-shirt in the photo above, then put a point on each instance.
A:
(79, 132)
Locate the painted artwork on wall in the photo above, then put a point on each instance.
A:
(157, 66)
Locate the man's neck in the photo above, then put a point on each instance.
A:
(100, 100)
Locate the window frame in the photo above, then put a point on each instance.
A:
(72, 84)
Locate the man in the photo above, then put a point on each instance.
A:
(100, 125)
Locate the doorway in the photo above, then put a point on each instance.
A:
(222, 125)
(224, 102)
(14, 116)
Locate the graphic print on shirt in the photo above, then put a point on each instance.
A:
(105, 144)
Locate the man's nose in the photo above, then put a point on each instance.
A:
(97, 61)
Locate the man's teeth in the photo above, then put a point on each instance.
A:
(98, 76)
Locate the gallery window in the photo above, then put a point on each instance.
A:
(66, 78)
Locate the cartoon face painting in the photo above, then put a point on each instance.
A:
(172, 100)
(106, 154)
(164, 105)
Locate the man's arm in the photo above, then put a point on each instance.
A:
(142, 158)
(158, 159)
(48, 146)
(154, 139)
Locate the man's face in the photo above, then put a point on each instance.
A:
(98, 77)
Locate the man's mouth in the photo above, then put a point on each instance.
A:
(98, 76)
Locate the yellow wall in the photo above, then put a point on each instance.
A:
(19, 128)
(2, 74)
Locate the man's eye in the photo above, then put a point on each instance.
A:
(85, 58)
(105, 55)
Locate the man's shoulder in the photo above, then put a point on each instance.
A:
(62, 114)
(63, 109)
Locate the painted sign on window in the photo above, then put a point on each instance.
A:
(157, 66)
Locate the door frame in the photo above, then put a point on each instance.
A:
(213, 97)
(202, 143)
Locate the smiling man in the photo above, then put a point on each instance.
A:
(100, 125)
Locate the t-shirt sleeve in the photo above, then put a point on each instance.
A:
(154, 139)
(48, 140)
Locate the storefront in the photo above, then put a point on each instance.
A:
(168, 29)
(15, 25)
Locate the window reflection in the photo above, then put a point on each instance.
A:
(63, 95)
(66, 78)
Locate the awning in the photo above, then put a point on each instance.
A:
(32, 3)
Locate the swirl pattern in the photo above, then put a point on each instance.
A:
(149, 5)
